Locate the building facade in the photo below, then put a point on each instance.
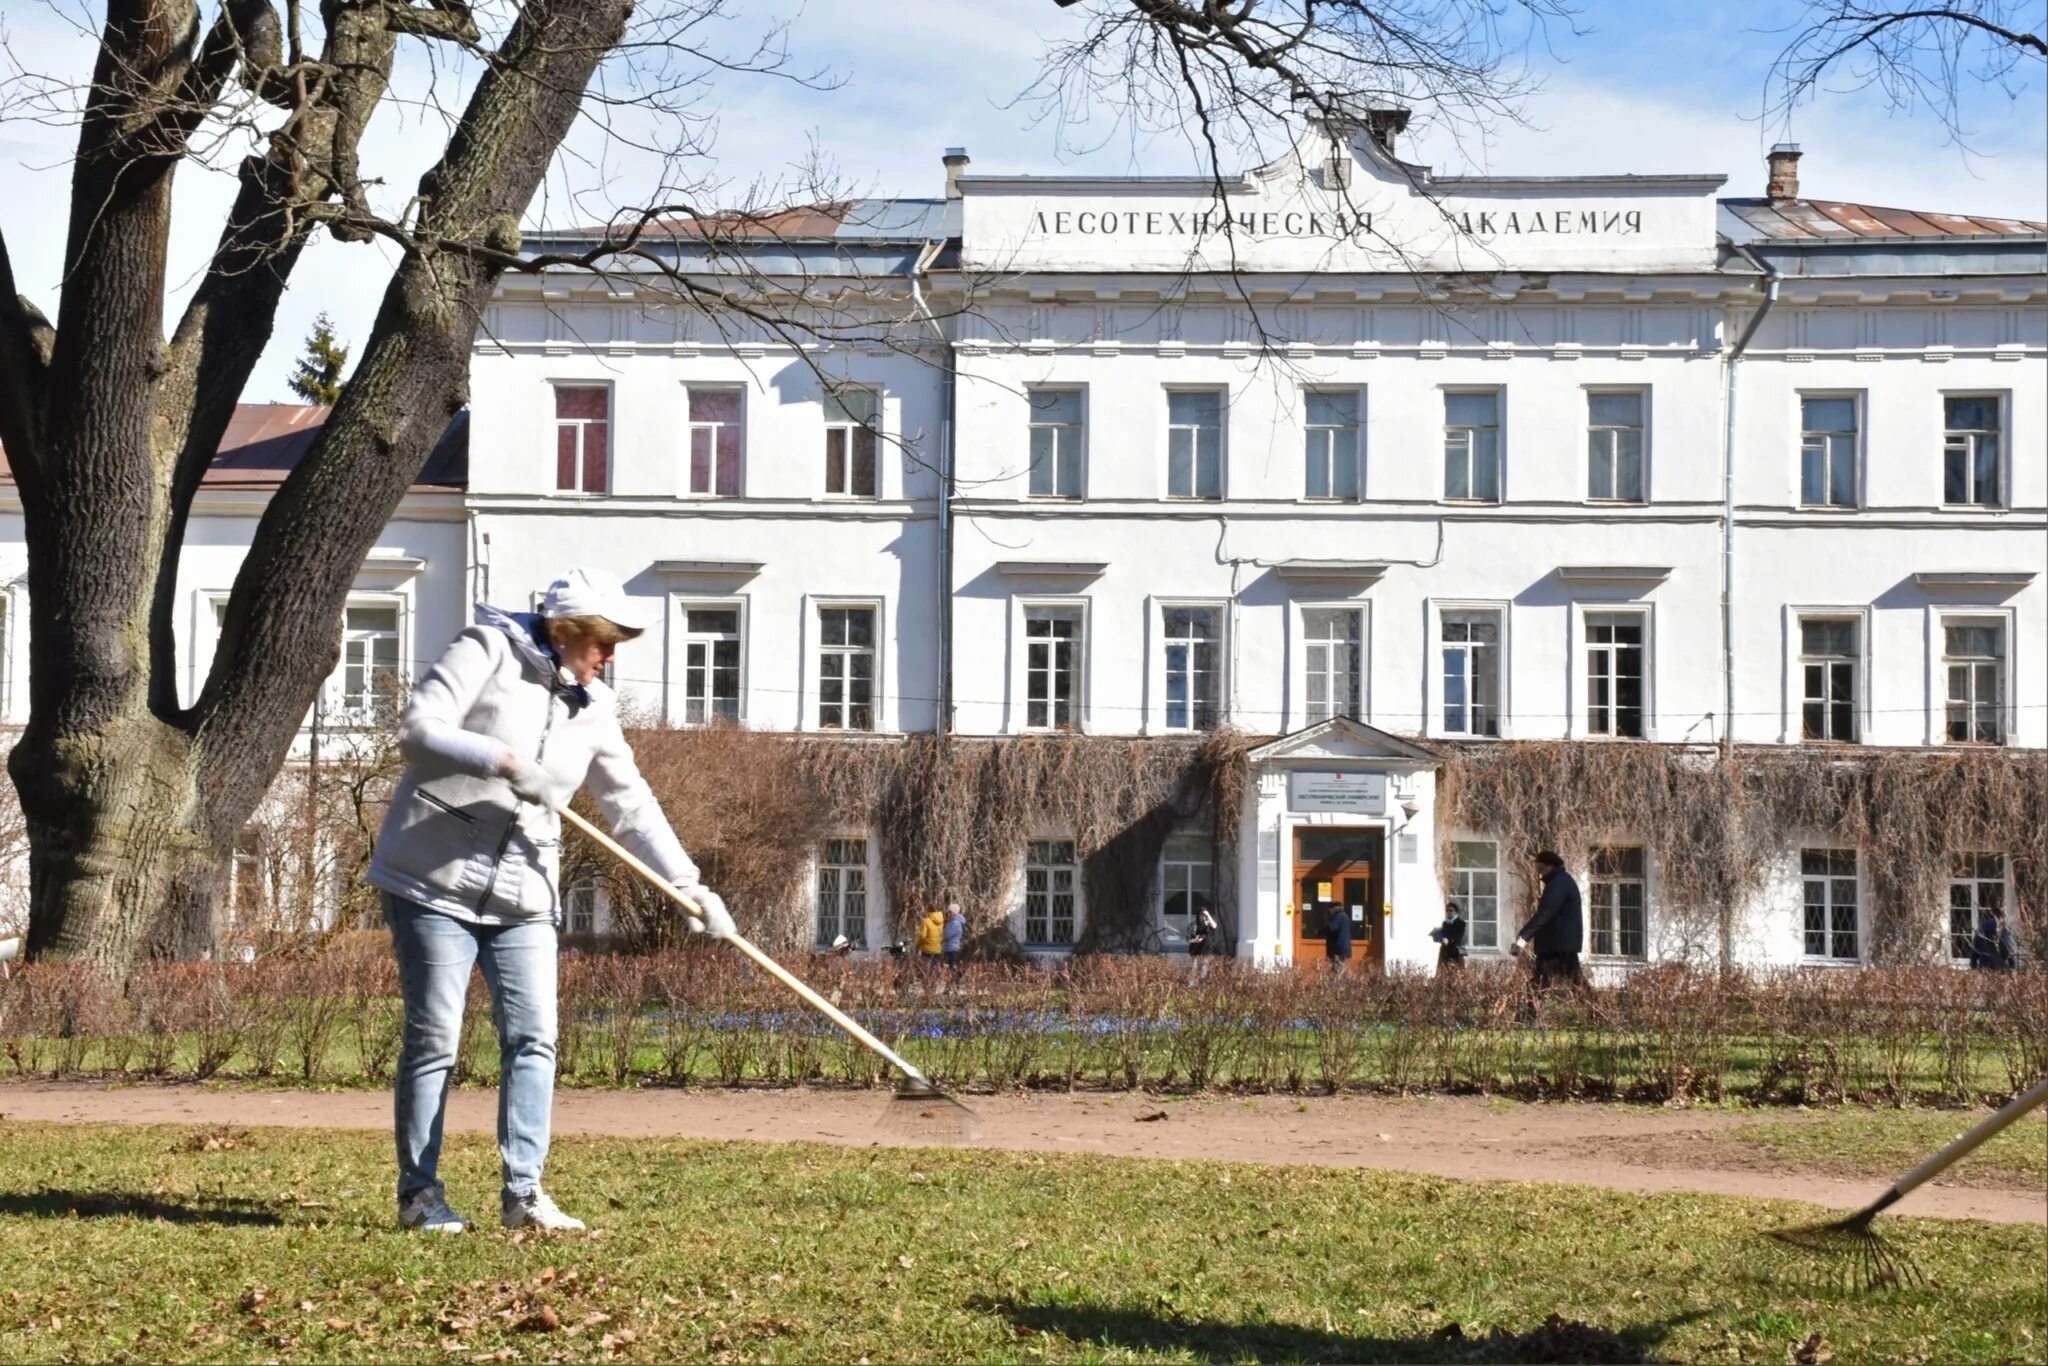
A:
(1369, 465)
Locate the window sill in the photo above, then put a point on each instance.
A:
(1833, 963)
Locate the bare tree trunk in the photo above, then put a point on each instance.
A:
(131, 803)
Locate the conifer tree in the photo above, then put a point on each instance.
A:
(318, 377)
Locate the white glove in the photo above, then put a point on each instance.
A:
(1520, 944)
(712, 920)
(534, 784)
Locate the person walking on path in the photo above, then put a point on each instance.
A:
(1450, 938)
(931, 948)
(501, 732)
(1557, 931)
(1337, 939)
(953, 935)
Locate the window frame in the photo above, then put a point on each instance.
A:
(1356, 492)
(1158, 609)
(882, 713)
(1438, 709)
(682, 606)
(1642, 429)
(1164, 891)
(1802, 661)
(1458, 893)
(2002, 707)
(611, 422)
(1977, 882)
(821, 861)
(1858, 441)
(1221, 393)
(1361, 613)
(686, 474)
(1499, 394)
(850, 428)
(1583, 659)
(1596, 880)
(1080, 442)
(1021, 619)
(592, 886)
(2002, 478)
(1829, 933)
(1074, 891)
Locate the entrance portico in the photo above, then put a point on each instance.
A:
(1340, 819)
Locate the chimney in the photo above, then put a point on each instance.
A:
(1383, 125)
(1783, 183)
(955, 160)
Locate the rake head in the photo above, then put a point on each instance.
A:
(922, 1112)
(1852, 1251)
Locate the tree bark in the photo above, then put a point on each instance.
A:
(131, 803)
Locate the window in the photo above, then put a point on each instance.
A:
(1974, 654)
(1332, 669)
(1472, 447)
(1970, 472)
(582, 438)
(1333, 446)
(1614, 447)
(1614, 674)
(846, 668)
(248, 883)
(369, 663)
(711, 664)
(850, 443)
(1471, 655)
(1193, 638)
(1832, 901)
(1052, 668)
(580, 902)
(1827, 452)
(1615, 880)
(1194, 445)
(843, 892)
(1976, 884)
(1475, 886)
(714, 442)
(1827, 666)
(1050, 873)
(1187, 883)
(1056, 434)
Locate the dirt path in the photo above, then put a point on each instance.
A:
(1443, 1136)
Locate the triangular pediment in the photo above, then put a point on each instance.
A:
(1341, 738)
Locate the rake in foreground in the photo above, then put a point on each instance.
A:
(920, 1110)
(1864, 1256)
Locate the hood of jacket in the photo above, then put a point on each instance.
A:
(528, 633)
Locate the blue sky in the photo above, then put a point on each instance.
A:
(1649, 86)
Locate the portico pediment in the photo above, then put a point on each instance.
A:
(1340, 740)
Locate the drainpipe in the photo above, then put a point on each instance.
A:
(1728, 368)
(925, 257)
(1770, 281)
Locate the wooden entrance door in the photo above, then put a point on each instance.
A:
(1340, 872)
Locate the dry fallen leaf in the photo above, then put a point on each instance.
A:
(541, 1320)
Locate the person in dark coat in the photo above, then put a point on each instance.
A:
(1991, 947)
(1557, 931)
(1337, 938)
(1450, 938)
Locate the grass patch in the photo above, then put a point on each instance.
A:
(157, 1244)
(1888, 1143)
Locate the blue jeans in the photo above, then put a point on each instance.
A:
(435, 955)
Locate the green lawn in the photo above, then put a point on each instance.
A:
(142, 1243)
(1859, 1142)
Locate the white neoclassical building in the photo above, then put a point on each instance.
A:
(1365, 463)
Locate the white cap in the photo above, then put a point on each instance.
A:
(595, 593)
(841, 941)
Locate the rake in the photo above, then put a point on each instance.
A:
(920, 1108)
(1871, 1260)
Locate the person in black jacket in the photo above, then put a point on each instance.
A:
(1557, 931)
(1337, 939)
(1450, 938)
(1991, 947)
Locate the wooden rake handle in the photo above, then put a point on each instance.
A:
(760, 958)
(1968, 1143)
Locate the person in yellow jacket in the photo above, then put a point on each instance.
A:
(931, 937)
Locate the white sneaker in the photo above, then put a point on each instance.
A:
(535, 1210)
(426, 1211)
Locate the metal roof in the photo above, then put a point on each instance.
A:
(1756, 220)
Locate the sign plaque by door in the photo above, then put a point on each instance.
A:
(1362, 794)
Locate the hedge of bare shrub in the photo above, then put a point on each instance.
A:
(694, 1016)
